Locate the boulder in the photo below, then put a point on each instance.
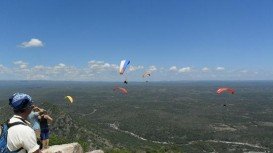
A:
(65, 148)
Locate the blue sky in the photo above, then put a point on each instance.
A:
(187, 40)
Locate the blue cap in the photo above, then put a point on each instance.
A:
(20, 101)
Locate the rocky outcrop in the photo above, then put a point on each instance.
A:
(65, 148)
(96, 151)
(68, 148)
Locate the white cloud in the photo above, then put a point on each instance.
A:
(184, 70)
(173, 68)
(37, 77)
(135, 68)
(162, 70)
(39, 68)
(152, 68)
(99, 66)
(57, 72)
(104, 71)
(244, 71)
(3, 69)
(32, 43)
(62, 69)
(60, 66)
(21, 64)
(220, 68)
(205, 69)
(95, 62)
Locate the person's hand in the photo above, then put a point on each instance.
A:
(46, 116)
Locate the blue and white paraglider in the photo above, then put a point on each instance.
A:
(122, 67)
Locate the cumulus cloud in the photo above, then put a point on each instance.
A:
(244, 71)
(173, 68)
(32, 43)
(99, 66)
(103, 71)
(162, 69)
(39, 67)
(59, 66)
(152, 68)
(3, 69)
(184, 70)
(62, 69)
(135, 68)
(57, 72)
(37, 77)
(220, 68)
(21, 64)
(205, 69)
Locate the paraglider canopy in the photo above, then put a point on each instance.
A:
(121, 90)
(225, 89)
(69, 99)
(146, 74)
(123, 66)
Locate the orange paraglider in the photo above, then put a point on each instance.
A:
(121, 90)
(225, 89)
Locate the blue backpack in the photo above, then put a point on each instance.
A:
(4, 135)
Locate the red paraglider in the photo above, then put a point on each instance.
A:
(121, 90)
(225, 89)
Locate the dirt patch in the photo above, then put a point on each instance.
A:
(222, 127)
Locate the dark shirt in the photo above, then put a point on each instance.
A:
(43, 124)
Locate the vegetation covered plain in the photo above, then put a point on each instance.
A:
(154, 116)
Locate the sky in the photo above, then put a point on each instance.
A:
(85, 40)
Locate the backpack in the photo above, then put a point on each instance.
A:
(4, 135)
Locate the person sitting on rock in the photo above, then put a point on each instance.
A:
(21, 138)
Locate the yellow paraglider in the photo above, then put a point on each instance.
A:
(69, 99)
